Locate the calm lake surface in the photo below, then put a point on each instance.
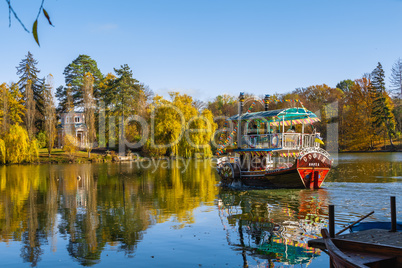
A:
(163, 214)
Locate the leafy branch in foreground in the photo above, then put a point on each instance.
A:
(11, 12)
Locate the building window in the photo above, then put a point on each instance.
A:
(67, 120)
(77, 119)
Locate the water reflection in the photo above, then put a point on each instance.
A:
(94, 206)
(79, 214)
(368, 167)
(273, 225)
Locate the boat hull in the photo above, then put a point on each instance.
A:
(283, 178)
(308, 171)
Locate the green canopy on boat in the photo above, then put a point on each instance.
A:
(289, 115)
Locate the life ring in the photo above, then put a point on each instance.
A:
(275, 140)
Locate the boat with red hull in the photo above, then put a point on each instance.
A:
(269, 157)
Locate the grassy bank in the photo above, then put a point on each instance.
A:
(60, 156)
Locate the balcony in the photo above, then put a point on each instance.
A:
(287, 141)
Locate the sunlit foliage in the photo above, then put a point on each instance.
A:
(179, 129)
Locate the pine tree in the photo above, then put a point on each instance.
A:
(74, 75)
(28, 73)
(384, 120)
(122, 96)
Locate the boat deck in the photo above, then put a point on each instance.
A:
(373, 236)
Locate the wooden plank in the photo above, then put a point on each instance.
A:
(338, 258)
(373, 236)
(352, 254)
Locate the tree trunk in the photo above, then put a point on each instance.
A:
(390, 141)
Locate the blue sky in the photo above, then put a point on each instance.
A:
(205, 48)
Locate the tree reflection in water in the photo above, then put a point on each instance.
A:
(96, 206)
(273, 225)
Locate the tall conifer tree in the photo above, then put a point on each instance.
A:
(74, 75)
(28, 74)
(384, 120)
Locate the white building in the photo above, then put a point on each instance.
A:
(72, 123)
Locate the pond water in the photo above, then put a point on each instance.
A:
(174, 214)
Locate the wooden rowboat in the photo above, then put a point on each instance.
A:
(351, 254)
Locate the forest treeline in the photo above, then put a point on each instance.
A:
(366, 112)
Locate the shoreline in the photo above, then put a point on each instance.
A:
(58, 156)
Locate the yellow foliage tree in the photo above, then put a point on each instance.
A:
(178, 129)
(33, 151)
(2, 152)
(70, 146)
(17, 144)
(15, 105)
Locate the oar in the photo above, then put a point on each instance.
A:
(353, 224)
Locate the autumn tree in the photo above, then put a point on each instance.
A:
(317, 99)
(30, 110)
(50, 115)
(89, 111)
(70, 146)
(384, 120)
(357, 131)
(223, 105)
(2, 152)
(18, 146)
(15, 104)
(4, 113)
(31, 86)
(178, 129)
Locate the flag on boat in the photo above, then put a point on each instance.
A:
(318, 139)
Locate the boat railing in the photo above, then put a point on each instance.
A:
(288, 141)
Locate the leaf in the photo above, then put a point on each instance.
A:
(35, 31)
(47, 16)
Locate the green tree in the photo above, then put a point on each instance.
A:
(32, 88)
(384, 120)
(345, 85)
(122, 96)
(74, 75)
(123, 92)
